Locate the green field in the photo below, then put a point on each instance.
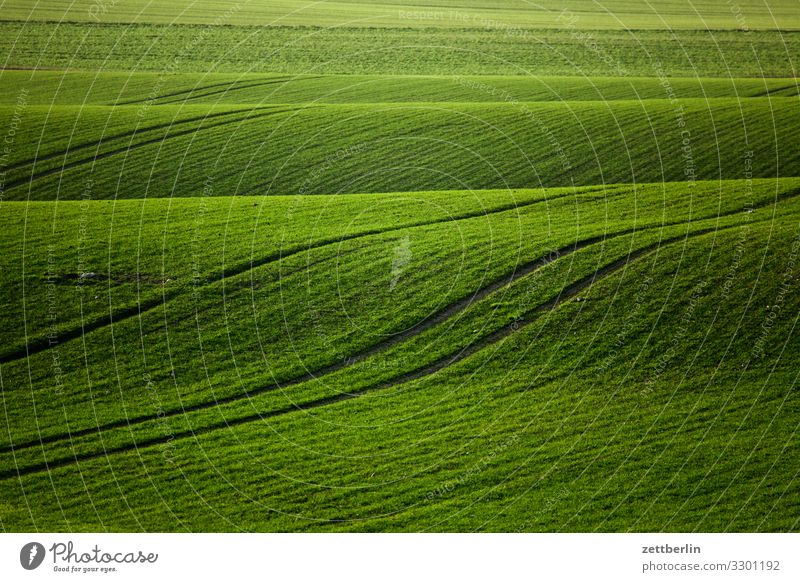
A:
(372, 266)
(173, 49)
(510, 14)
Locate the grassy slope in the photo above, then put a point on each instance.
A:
(325, 149)
(499, 413)
(260, 135)
(195, 286)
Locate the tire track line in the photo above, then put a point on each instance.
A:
(772, 92)
(77, 163)
(119, 136)
(234, 88)
(158, 100)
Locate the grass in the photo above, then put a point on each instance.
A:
(398, 51)
(360, 268)
(510, 16)
(575, 342)
(281, 149)
(264, 339)
(45, 87)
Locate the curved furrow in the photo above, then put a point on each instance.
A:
(136, 146)
(233, 89)
(429, 369)
(119, 136)
(157, 100)
(42, 344)
(774, 92)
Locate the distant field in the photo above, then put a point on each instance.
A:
(372, 266)
(398, 51)
(509, 15)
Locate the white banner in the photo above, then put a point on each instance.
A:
(382, 557)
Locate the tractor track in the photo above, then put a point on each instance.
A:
(41, 344)
(138, 145)
(429, 369)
